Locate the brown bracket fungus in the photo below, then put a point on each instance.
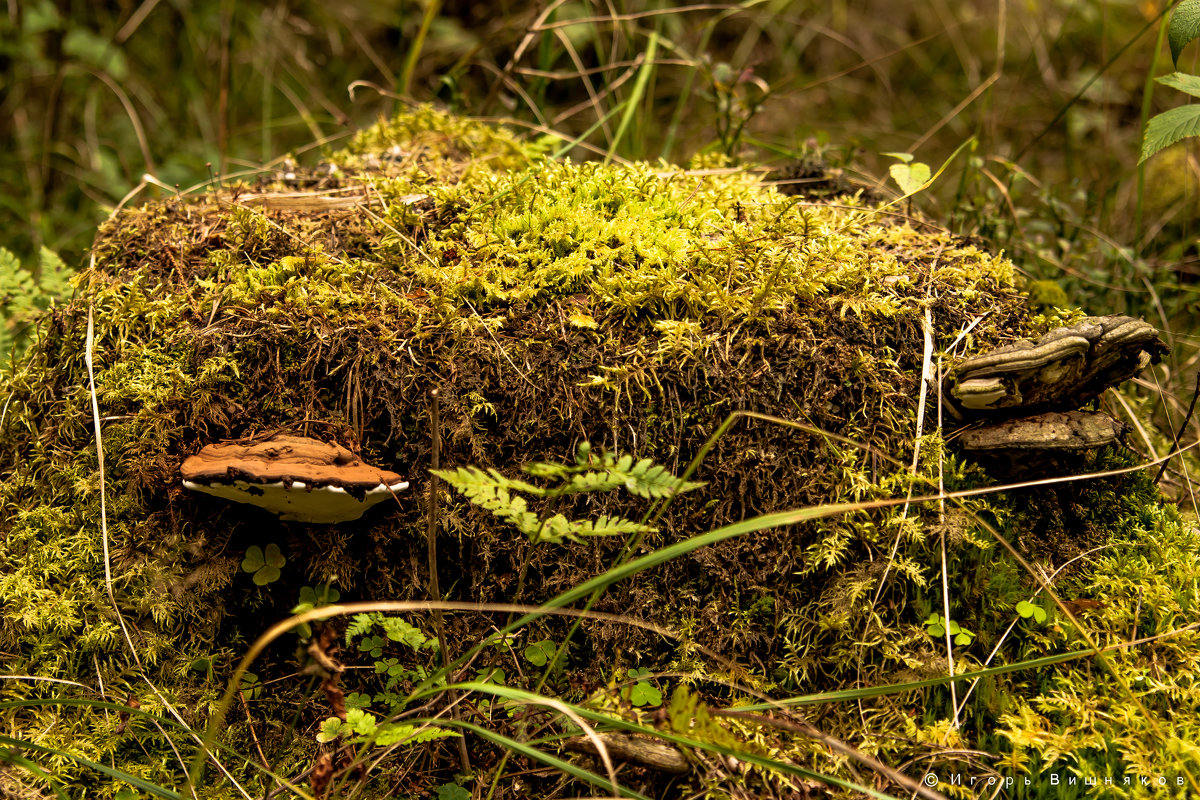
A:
(301, 479)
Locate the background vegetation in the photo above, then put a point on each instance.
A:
(99, 94)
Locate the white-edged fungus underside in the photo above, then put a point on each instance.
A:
(300, 479)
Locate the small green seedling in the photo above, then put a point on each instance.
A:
(360, 700)
(642, 693)
(452, 791)
(373, 645)
(935, 626)
(540, 653)
(361, 726)
(322, 595)
(203, 665)
(911, 176)
(251, 686)
(1027, 610)
(265, 566)
(491, 675)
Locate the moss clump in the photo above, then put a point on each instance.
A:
(549, 303)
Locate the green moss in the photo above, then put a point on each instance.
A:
(1046, 295)
(549, 302)
(438, 143)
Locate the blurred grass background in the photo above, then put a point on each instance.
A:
(1053, 93)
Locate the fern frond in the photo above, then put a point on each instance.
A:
(594, 482)
(558, 527)
(392, 733)
(491, 490)
(360, 624)
(473, 480)
(645, 479)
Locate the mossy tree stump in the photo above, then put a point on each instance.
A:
(549, 303)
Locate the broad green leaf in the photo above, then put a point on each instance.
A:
(1182, 81)
(1027, 609)
(331, 728)
(399, 630)
(645, 694)
(254, 560)
(452, 791)
(1170, 127)
(539, 653)
(1184, 27)
(373, 645)
(273, 557)
(910, 177)
(358, 700)
(267, 574)
(904, 157)
(359, 721)
(251, 686)
(491, 675)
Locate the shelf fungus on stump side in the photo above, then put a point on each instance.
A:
(301, 479)
(1027, 393)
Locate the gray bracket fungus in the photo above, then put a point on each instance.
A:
(1026, 392)
(300, 479)
(1064, 369)
(1054, 430)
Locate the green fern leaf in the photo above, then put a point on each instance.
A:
(492, 491)
(360, 624)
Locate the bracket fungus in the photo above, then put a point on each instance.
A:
(1063, 369)
(300, 479)
(1065, 431)
(1026, 393)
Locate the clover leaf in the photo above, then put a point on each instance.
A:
(936, 627)
(265, 566)
(539, 653)
(1027, 609)
(642, 693)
